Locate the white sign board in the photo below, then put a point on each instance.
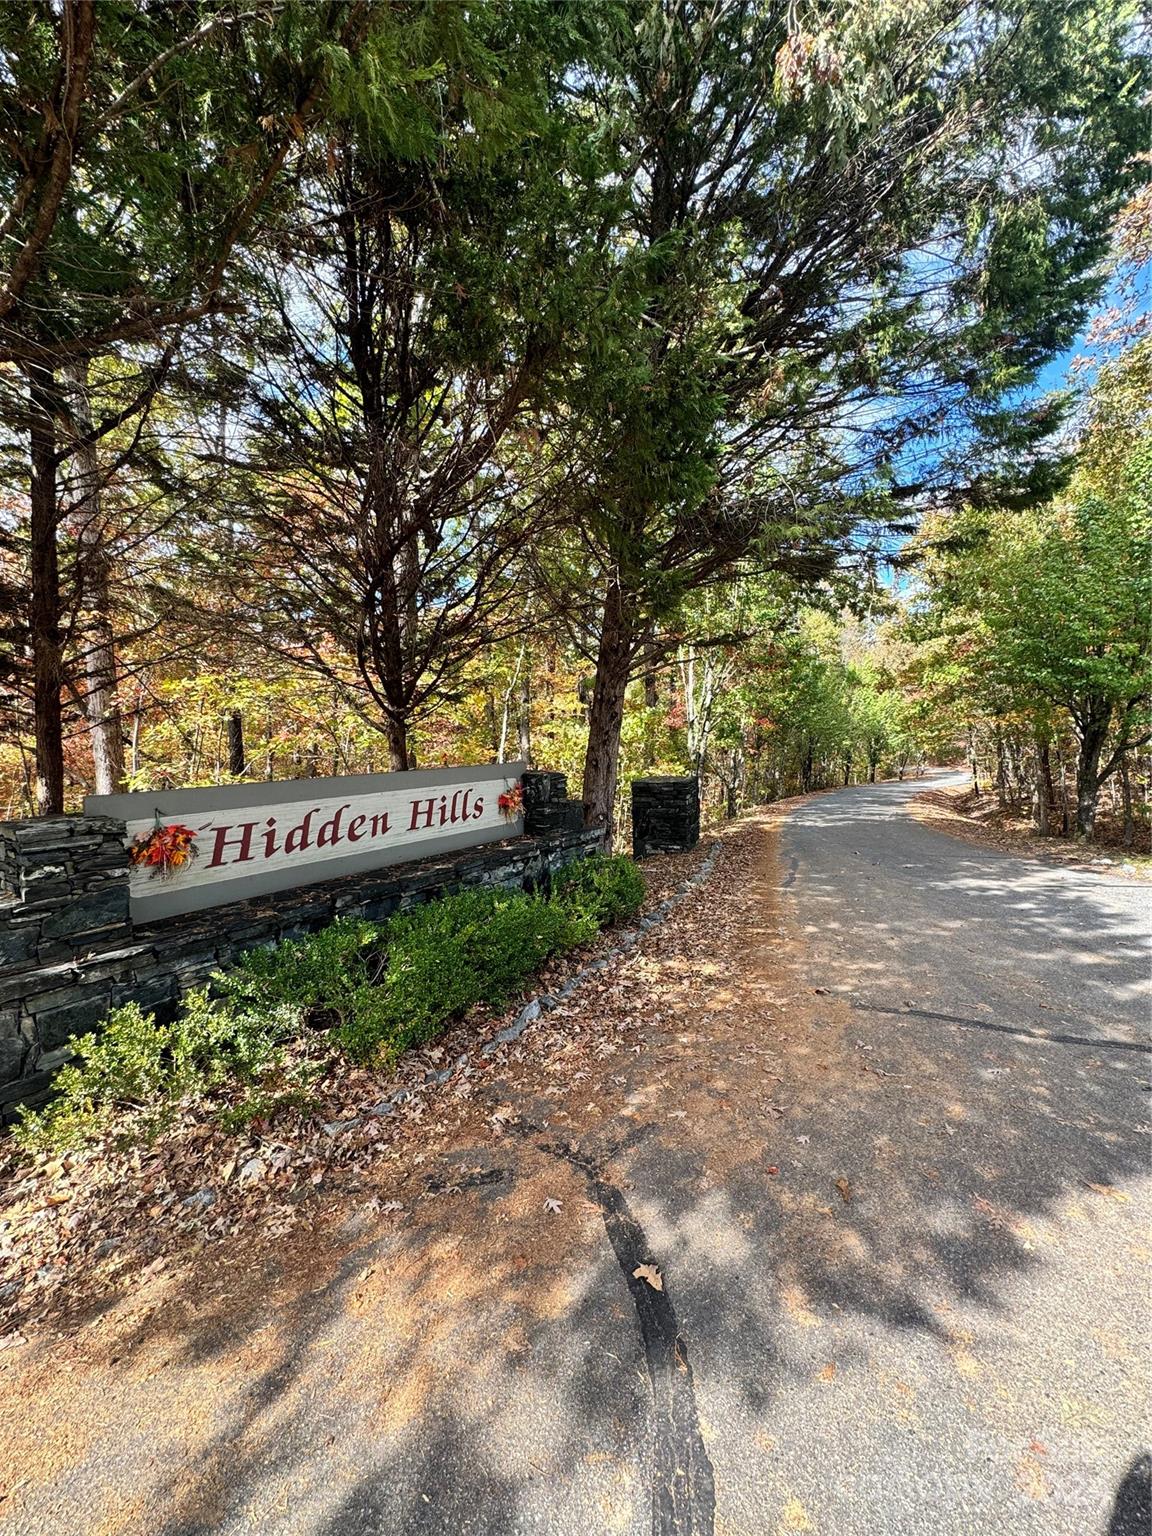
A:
(196, 848)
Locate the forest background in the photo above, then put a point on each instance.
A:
(628, 386)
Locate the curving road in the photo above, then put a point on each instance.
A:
(871, 1108)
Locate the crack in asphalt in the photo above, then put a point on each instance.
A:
(1054, 1038)
(683, 1484)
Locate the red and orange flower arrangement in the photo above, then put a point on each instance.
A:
(168, 847)
(511, 802)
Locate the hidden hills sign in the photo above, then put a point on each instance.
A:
(197, 848)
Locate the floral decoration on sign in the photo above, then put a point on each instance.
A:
(511, 802)
(168, 847)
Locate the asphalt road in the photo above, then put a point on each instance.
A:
(1009, 1001)
(877, 1118)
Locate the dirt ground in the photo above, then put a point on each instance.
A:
(978, 819)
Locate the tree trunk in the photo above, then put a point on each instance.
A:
(847, 769)
(1063, 794)
(732, 801)
(1044, 791)
(1093, 734)
(524, 718)
(606, 716)
(101, 708)
(1129, 833)
(1001, 772)
(495, 729)
(236, 763)
(518, 695)
(1016, 766)
(44, 611)
(396, 735)
(136, 713)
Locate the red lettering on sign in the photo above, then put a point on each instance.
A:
(300, 836)
(222, 841)
(425, 808)
(329, 833)
(270, 837)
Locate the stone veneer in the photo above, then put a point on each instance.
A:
(69, 950)
(665, 815)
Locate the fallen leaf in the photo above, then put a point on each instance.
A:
(794, 1517)
(845, 1190)
(828, 1372)
(773, 1168)
(1030, 1478)
(651, 1274)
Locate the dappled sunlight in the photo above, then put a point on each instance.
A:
(860, 1166)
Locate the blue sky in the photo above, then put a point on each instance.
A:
(1055, 375)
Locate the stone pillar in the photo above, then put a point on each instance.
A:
(546, 805)
(63, 897)
(665, 816)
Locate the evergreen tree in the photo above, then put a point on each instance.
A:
(848, 238)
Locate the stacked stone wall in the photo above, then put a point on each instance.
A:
(70, 952)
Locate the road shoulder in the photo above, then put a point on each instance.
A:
(943, 810)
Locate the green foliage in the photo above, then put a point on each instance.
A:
(599, 891)
(121, 1071)
(376, 989)
(126, 1080)
(325, 970)
(1035, 627)
(445, 957)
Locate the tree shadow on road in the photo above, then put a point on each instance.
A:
(481, 1366)
(1132, 1511)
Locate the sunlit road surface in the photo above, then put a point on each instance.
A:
(997, 1284)
(870, 1108)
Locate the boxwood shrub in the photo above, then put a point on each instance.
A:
(599, 891)
(371, 989)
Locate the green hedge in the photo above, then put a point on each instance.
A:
(370, 989)
(127, 1080)
(442, 958)
(599, 891)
